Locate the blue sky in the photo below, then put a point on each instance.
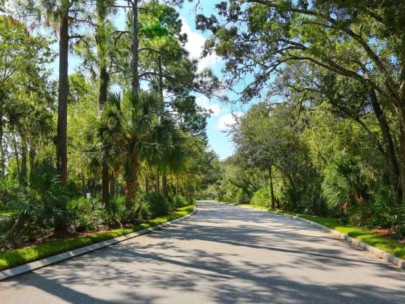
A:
(223, 114)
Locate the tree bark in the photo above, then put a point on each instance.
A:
(32, 156)
(60, 225)
(402, 151)
(164, 184)
(61, 148)
(105, 186)
(389, 148)
(157, 181)
(273, 203)
(102, 100)
(17, 158)
(24, 160)
(135, 48)
(131, 181)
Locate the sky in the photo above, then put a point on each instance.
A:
(223, 115)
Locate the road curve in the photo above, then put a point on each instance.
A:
(222, 254)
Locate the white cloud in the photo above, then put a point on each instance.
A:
(227, 121)
(205, 103)
(195, 46)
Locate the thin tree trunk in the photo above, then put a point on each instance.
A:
(105, 182)
(146, 182)
(17, 158)
(24, 160)
(61, 149)
(84, 186)
(157, 181)
(32, 156)
(2, 154)
(273, 203)
(132, 181)
(135, 48)
(60, 225)
(402, 152)
(164, 184)
(389, 148)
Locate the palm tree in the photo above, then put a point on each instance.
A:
(124, 133)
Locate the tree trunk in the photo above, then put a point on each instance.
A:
(273, 203)
(60, 225)
(157, 181)
(131, 181)
(2, 154)
(102, 99)
(32, 156)
(135, 48)
(402, 152)
(61, 149)
(17, 158)
(389, 148)
(112, 184)
(24, 160)
(105, 188)
(164, 184)
(146, 182)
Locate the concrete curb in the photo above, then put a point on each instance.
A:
(15, 271)
(400, 263)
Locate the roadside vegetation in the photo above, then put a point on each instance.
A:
(326, 134)
(376, 238)
(87, 153)
(32, 253)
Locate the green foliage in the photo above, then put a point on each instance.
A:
(28, 254)
(390, 246)
(116, 212)
(153, 205)
(261, 198)
(85, 213)
(178, 201)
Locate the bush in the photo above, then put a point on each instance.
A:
(153, 205)
(116, 212)
(37, 211)
(178, 201)
(242, 197)
(261, 198)
(86, 214)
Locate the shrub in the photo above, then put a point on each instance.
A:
(36, 213)
(153, 205)
(116, 212)
(178, 201)
(261, 198)
(86, 214)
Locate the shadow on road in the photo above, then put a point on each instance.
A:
(169, 263)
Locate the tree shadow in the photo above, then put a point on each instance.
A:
(201, 260)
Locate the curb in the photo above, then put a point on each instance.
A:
(398, 262)
(19, 270)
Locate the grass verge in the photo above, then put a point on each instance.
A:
(393, 247)
(32, 253)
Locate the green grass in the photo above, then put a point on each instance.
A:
(368, 237)
(32, 253)
(6, 212)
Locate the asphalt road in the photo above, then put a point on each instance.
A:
(223, 254)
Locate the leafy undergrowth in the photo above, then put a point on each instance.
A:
(368, 237)
(6, 212)
(32, 253)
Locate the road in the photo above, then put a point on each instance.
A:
(222, 254)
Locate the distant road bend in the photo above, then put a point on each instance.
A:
(222, 254)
